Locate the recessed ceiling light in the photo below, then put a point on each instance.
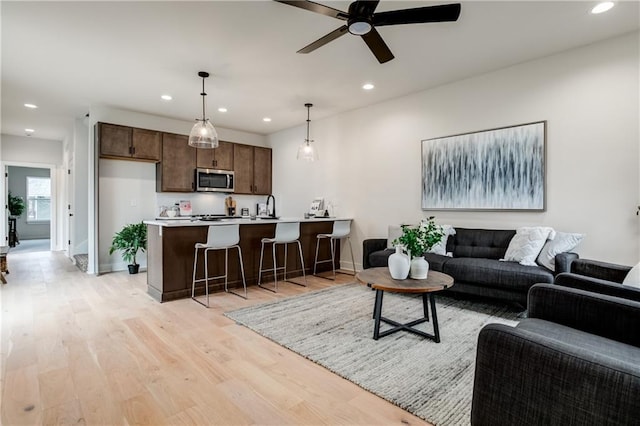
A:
(602, 7)
(368, 86)
(32, 106)
(166, 97)
(222, 109)
(266, 119)
(29, 131)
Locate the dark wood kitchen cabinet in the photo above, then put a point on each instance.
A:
(129, 143)
(176, 172)
(220, 158)
(252, 167)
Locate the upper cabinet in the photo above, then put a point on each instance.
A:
(123, 142)
(252, 167)
(176, 172)
(220, 158)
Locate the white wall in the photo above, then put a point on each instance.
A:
(370, 158)
(127, 188)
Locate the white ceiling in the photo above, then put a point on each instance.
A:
(66, 56)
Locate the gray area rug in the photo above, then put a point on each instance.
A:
(334, 328)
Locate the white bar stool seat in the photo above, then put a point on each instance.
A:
(219, 237)
(341, 229)
(286, 233)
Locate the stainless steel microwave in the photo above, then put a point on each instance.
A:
(210, 180)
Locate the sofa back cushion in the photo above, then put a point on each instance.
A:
(484, 243)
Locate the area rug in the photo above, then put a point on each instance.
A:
(334, 328)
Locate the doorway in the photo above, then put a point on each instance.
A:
(31, 213)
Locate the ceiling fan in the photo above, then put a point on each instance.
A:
(361, 20)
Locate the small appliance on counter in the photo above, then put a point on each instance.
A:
(230, 206)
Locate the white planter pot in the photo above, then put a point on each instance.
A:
(419, 268)
(399, 265)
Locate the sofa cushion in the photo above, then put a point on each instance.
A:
(527, 243)
(380, 258)
(480, 243)
(436, 261)
(563, 242)
(441, 246)
(494, 273)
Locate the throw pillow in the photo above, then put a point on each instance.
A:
(395, 231)
(633, 277)
(563, 242)
(525, 246)
(441, 247)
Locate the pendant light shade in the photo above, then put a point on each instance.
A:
(307, 152)
(203, 134)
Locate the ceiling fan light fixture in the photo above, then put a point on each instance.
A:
(602, 7)
(359, 27)
(306, 152)
(203, 134)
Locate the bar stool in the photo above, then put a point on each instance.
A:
(219, 237)
(286, 233)
(341, 229)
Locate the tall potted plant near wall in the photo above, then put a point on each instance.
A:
(16, 205)
(129, 240)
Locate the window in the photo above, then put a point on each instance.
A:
(38, 199)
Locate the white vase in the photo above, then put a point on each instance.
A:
(399, 265)
(419, 268)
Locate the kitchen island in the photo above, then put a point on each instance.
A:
(170, 253)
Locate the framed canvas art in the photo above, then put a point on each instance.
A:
(497, 169)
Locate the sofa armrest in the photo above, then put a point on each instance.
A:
(564, 260)
(369, 246)
(607, 316)
(524, 378)
(595, 285)
(602, 270)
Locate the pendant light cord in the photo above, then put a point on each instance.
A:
(203, 103)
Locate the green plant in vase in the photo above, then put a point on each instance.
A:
(129, 240)
(417, 240)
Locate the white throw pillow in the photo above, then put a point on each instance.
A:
(563, 242)
(395, 231)
(633, 277)
(441, 247)
(525, 246)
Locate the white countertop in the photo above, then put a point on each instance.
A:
(173, 222)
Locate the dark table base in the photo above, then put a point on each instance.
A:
(427, 299)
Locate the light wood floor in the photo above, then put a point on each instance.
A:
(80, 349)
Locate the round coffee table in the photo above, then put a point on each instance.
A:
(380, 280)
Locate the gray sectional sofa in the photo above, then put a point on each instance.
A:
(475, 266)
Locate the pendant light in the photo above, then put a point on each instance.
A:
(203, 135)
(306, 152)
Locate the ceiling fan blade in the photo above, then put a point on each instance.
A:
(363, 7)
(317, 8)
(324, 40)
(419, 15)
(377, 45)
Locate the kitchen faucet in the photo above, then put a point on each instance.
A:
(273, 214)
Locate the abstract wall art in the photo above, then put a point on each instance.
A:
(497, 169)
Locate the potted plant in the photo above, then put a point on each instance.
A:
(129, 240)
(16, 205)
(417, 240)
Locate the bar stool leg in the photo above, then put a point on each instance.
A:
(302, 263)
(275, 269)
(315, 262)
(244, 282)
(332, 243)
(284, 274)
(206, 274)
(353, 259)
(193, 281)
